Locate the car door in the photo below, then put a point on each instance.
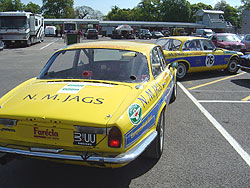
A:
(193, 52)
(161, 72)
(213, 58)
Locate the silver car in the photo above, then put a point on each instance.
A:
(1, 45)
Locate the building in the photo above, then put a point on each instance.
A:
(213, 19)
(245, 24)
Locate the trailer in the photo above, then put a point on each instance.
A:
(23, 28)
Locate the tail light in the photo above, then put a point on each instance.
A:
(114, 138)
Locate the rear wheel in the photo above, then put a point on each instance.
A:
(232, 67)
(181, 70)
(156, 148)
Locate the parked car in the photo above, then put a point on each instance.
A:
(98, 103)
(91, 34)
(196, 54)
(1, 45)
(156, 34)
(246, 41)
(144, 34)
(50, 31)
(228, 41)
(244, 63)
(205, 32)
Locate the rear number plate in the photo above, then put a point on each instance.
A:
(84, 139)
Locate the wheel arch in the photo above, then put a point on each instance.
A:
(185, 62)
(235, 56)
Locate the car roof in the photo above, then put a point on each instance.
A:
(224, 34)
(183, 38)
(122, 45)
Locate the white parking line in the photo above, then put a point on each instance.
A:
(48, 44)
(217, 91)
(244, 155)
(221, 101)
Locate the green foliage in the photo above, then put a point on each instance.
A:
(175, 10)
(58, 8)
(231, 14)
(32, 7)
(11, 5)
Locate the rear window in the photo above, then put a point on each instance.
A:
(97, 64)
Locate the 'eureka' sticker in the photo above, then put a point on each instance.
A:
(72, 88)
(135, 114)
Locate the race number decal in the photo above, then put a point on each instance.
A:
(210, 60)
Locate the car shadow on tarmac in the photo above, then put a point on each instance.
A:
(205, 75)
(30, 173)
(242, 82)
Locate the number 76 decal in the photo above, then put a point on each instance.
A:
(210, 60)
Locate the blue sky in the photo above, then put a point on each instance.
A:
(105, 5)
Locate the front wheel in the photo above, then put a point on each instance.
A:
(174, 93)
(181, 70)
(156, 148)
(232, 67)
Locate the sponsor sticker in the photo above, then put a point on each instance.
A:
(135, 114)
(210, 60)
(72, 88)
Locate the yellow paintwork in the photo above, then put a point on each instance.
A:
(40, 108)
(183, 55)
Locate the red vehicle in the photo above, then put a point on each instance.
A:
(228, 41)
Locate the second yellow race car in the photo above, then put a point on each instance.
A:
(196, 54)
(99, 103)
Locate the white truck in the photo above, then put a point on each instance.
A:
(23, 28)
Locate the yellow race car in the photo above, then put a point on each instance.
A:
(196, 54)
(99, 103)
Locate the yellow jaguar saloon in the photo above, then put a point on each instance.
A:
(197, 54)
(98, 104)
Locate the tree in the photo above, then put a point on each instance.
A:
(148, 10)
(58, 8)
(231, 14)
(175, 10)
(11, 5)
(88, 12)
(117, 14)
(32, 7)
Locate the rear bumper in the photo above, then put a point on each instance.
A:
(244, 68)
(123, 158)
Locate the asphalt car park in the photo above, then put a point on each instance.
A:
(206, 144)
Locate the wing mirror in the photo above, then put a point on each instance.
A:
(174, 65)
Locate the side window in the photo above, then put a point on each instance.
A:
(36, 22)
(193, 45)
(162, 59)
(207, 45)
(156, 62)
(176, 45)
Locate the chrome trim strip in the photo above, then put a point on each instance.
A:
(49, 150)
(123, 158)
(243, 67)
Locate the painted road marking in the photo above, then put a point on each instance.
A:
(218, 91)
(49, 44)
(244, 155)
(246, 99)
(215, 81)
(221, 101)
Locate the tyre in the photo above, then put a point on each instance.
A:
(181, 70)
(174, 93)
(28, 43)
(232, 67)
(156, 148)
